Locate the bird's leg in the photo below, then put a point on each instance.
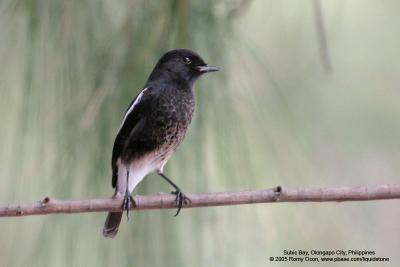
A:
(128, 199)
(181, 198)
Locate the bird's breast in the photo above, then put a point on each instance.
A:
(166, 125)
(172, 116)
(170, 121)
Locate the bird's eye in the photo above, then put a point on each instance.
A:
(187, 60)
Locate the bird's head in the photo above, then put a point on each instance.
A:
(181, 64)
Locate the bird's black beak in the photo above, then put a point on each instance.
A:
(206, 68)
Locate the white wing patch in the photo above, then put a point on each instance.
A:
(132, 107)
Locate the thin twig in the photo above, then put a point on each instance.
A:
(166, 201)
(322, 40)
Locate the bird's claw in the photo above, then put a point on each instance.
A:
(129, 202)
(180, 199)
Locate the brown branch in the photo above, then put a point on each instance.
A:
(166, 201)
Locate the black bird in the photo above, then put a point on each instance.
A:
(153, 127)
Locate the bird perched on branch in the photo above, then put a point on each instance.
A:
(153, 127)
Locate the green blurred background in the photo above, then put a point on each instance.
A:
(308, 96)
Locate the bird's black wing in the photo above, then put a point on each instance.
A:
(132, 124)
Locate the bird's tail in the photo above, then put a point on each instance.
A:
(112, 223)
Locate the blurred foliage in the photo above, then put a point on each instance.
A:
(273, 116)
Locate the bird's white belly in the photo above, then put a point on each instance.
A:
(138, 169)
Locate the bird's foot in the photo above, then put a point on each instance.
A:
(128, 203)
(180, 199)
